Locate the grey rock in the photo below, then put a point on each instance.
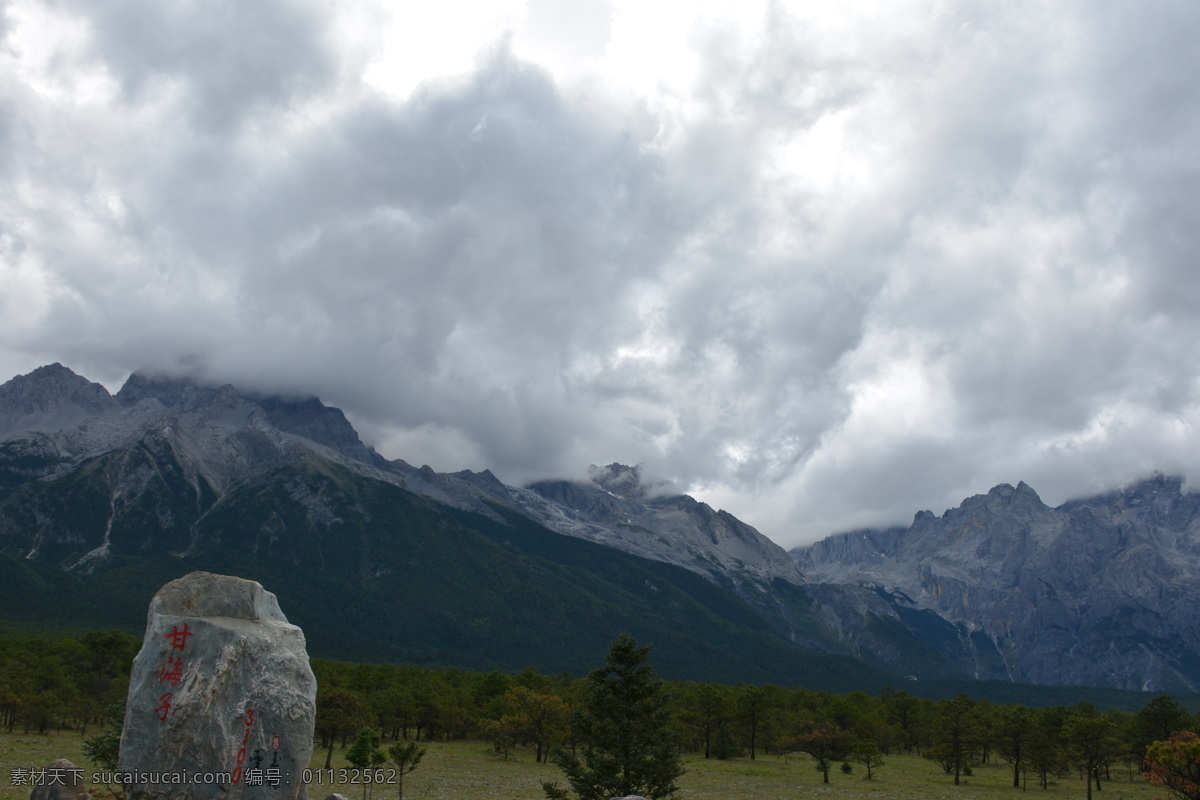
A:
(1095, 592)
(60, 780)
(615, 507)
(215, 437)
(311, 419)
(304, 417)
(184, 395)
(618, 508)
(49, 399)
(221, 685)
(169, 446)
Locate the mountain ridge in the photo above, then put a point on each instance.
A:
(167, 476)
(150, 400)
(1096, 591)
(167, 468)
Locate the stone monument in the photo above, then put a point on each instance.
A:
(222, 700)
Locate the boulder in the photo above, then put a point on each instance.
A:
(222, 700)
(61, 780)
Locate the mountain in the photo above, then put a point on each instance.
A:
(50, 398)
(615, 507)
(1096, 592)
(103, 498)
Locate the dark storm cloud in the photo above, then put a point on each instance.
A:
(443, 260)
(852, 272)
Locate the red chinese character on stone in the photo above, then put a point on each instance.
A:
(171, 672)
(178, 637)
(165, 708)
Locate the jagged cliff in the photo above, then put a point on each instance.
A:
(1101, 591)
(615, 507)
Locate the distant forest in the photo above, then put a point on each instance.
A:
(75, 684)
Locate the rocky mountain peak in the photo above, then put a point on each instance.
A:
(618, 479)
(1001, 500)
(616, 507)
(55, 372)
(310, 418)
(53, 384)
(1158, 500)
(49, 398)
(484, 480)
(182, 393)
(303, 416)
(1157, 489)
(1085, 593)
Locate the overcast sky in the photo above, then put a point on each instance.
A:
(821, 264)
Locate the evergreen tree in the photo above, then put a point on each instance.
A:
(705, 708)
(827, 744)
(623, 732)
(958, 732)
(104, 749)
(406, 756)
(866, 752)
(1091, 739)
(339, 713)
(1161, 717)
(754, 705)
(1015, 729)
(723, 746)
(365, 754)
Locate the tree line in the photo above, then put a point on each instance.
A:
(532, 711)
(69, 684)
(65, 684)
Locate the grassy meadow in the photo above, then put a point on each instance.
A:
(468, 771)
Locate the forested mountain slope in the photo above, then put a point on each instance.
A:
(104, 498)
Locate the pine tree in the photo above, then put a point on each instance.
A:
(366, 754)
(406, 756)
(623, 731)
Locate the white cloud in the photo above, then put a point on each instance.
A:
(826, 267)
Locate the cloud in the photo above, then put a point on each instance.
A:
(822, 269)
(225, 60)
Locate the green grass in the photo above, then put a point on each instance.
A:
(33, 751)
(467, 771)
(902, 777)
